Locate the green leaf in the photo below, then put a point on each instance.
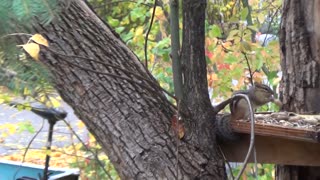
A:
(113, 22)
(26, 126)
(230, 59)
(259, 63)
(244, 13)
(234, 19)
(162, 47)
(215, 31)
(272, 75)
(127, 37)
(261, 17)
(119, 29)
(165, 42)
(254, 28)
(136, 13)
(245, 46)
(247, 35)
(233, 33)
(237, 72)
(273, 43)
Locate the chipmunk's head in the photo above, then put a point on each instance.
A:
(262, 94)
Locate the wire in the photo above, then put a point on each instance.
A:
(251, 147)
(147, 35)
(250, 71)
(26, 150)
(88, 149)
(226, 161)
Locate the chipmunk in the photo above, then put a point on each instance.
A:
(259, 94)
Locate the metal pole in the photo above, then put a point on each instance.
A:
(49, 142)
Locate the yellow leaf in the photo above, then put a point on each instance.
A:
(214, 77)
(158, 12)
(261, 17)
(42, 99)
(39, 39)
(276, 80)
(139, 31)
(181, 132)
(11, 128)
(55, 102)
(48, 152)
(4, 135)
(32, 49)
(80, 124)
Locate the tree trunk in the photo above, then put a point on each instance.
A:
(195, 103)
(122, 104)
(299, 42)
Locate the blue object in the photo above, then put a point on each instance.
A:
(10, 170)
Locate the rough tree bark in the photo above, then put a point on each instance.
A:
(122, 104)
(300, 58)
(195, 103)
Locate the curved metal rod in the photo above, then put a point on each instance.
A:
(251, 147)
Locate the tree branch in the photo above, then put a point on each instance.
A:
(175, 48)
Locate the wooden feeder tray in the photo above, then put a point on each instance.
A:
(276, 144)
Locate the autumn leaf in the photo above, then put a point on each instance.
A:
(208, 54)
(80, 124)
(55, 102)
(177, 126)
(48, 152)
(39, 39)
(158, 12)
(221, 66)
(11, 128)
(32, 49)
(139, 31)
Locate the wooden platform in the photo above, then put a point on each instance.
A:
(275, 144)
(277, 131)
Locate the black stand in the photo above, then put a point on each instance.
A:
(49, 143)
(52, 115)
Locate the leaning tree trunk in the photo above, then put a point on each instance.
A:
(300, 55)
(121, 103)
